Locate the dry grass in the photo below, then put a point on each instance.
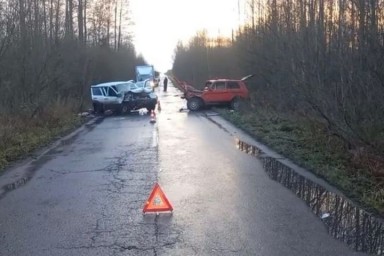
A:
(21, 134)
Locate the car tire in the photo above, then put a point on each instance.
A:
(194, 104)
(235, 103)
(124, 109)
(95, 109)
(98, 108)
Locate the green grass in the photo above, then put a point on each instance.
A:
(308, 145)
(22, 138)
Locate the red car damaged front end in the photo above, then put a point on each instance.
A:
(190, 91)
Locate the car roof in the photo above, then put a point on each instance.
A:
(231, 80)
(222, 80)
(112, 83)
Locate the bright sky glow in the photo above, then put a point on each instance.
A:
(160, 24)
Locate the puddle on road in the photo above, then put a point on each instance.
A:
(165, 95)
(344, 220)
(249, 149)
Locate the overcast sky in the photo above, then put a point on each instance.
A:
(159, 24)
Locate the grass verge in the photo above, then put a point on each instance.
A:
(19, 137)
(308, 144)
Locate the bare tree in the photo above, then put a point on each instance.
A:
(314, 56)
(43, 61)
(80, 21)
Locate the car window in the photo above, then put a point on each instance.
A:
(121, 87)
(219, 86)
(112, 92)
(233, 85)
(125, 87)
(148, 84)
(96, 91)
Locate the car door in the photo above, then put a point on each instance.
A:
(216, 93)
(106, 99)
(234, 89)
(111, 95)
(115, 96)
(98, 94)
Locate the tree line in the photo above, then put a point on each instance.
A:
(322, 59)
(51, 51)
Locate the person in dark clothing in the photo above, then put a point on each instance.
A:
(165, 83)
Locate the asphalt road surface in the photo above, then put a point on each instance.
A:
(85, 195)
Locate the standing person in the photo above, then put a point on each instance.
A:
(165, 83)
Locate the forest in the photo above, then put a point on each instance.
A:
(318, 91)
(51, 51)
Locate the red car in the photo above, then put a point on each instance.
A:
(227, 92)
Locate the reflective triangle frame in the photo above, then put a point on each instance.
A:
(151, 204)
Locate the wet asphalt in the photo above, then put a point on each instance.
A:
(85, 195)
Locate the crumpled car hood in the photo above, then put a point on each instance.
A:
(141, 90)
(189, 90)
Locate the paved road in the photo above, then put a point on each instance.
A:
(85, 196)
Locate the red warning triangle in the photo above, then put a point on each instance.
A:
(157, 201)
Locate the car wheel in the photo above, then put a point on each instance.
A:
(95, 108)
(235, 103)
(98, 108)
(124, 109)
(194, 104)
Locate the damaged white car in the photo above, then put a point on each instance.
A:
(123, 96)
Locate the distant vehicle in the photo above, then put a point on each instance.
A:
(123, 96)
(145, 72)
(228, 92)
